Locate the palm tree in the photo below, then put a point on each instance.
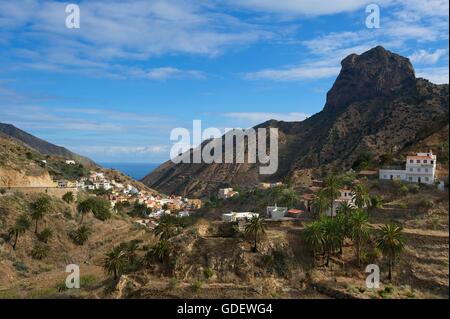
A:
(391, 242)
(160, 250)
(254, 227)
(39, 208)
(321, 202)
(332, 236)
(314, 237)
(21, 225)
(333, 185)
(84, 207)
(68, 197)
(80, 235)
(115, 262)
(359, 228)
(346, 209)
(166, 228)
(361, 196)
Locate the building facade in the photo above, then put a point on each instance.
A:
(419, 168)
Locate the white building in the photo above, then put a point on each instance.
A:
(235, 216)
(420, 168)
(275, 212)
(70, 162)
(345, 197)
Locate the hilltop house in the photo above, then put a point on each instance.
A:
(70, 162)
(420, 168)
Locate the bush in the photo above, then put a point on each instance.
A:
(425, 204)
(197, 286)
(40, 251)
(68, 197)
(45, 235)
(208, 272)
(404, 190)
(414, 188)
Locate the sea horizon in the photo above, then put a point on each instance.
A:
(135, 170)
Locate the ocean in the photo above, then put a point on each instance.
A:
(134, 170)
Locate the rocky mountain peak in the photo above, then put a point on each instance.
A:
(377, 72)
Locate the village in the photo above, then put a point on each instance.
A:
(418, 169)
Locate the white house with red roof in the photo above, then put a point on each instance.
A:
(419, 168)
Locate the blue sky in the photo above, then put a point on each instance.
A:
(115, 88)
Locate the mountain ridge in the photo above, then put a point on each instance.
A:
(375, 105)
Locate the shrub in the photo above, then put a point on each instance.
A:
(414, 188)
(197, 286)
(208, 272)
(45, 235)
(425, 204)
(404, 190)
(68, 197)
(173, 283)
(40, 251)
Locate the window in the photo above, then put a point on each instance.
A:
(425, 161)
(432, 162)
(410, 169)
(410, 178)
(418, 169)
(427, 179)
(418, 161)
(426, 170)
(411, 161)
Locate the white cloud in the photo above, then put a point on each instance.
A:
(294, 74)
(173, 73)
(427, 57)
(438, 75)
(302, 7)
(113, 33)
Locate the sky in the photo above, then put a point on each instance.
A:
(114, 88)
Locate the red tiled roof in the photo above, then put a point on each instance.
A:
(295, 211)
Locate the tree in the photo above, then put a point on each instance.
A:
(101, 208)
(166, 228)
(332, 236)
(45, 235)
(333, 184)
(160, 251)
(346, 209)
(361, 196)
(255, 226)
(359, 228)
(68, 197)
(39, 208)
(21, 225)
(80, 235)
(314, 237)
(83, 208)
(115, 262)
(321, 202)
(289, 197)
(391, 242)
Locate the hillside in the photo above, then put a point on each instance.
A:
(376, 106)
(42, 146)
